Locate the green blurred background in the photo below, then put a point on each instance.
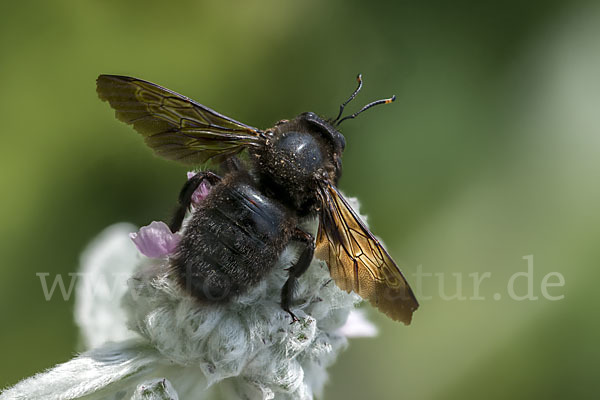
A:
(489, 154)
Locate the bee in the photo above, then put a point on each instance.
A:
(271, 181)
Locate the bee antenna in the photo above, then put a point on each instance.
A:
(359, 79)
(373, 104)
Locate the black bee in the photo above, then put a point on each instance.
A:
(272, 180)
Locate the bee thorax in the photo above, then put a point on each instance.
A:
(290, 166)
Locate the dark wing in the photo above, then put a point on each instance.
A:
(357, 261)
(175, 126)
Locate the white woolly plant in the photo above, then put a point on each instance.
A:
(149, 339)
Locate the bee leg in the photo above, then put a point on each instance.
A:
(296, 270)
(185, 196)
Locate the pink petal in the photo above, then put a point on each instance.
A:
(202, 191)
(155, 240)
(357, 325)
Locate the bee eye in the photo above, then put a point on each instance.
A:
(342, 141)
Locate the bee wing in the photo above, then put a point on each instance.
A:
(174, 126)
(357, 261)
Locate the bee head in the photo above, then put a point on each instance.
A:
(330, 134)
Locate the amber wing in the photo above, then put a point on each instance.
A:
(358, 262)
(175, 126)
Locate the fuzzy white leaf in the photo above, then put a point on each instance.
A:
(158, 389)
(89, 373)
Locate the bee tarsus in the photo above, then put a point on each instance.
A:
(296, 270)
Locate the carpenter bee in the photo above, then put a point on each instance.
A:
(272, 180)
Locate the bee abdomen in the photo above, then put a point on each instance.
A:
(231, 242)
